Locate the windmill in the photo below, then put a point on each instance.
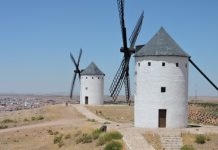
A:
(76, 71)
(122, 75)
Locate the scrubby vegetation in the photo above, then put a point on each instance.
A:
(3, 126)
(187, 147)
(200, 139)
(107, 137)
(96, 133)
(91, 120)
(8, 121)
(50, 132)
(84, 138)
(68, 136)
(58, 139)
(100, 137)
(37, 118)
(113, 145)
(25, 120)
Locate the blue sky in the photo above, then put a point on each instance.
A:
(36, 38)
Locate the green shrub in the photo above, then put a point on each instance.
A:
(8, 121)
(68, 136)
(58, 139)
(3, 126)
(25, 120)
(37, 118)
(60, 144)
(200, 139)
(84, 138)
(56, 133)
(40, 117)
(91, 120)
(113, 145)
(187, 147)
(107, 137)
(50, 132)
(33, 118)
(96, 133)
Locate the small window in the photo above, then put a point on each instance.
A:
(98, 78)
(186, 65)
(86, 77)
(163, 89)
(177, 64)
(149, 63)
(163, 63)
(86, 88)
(139, 64)
(92, 77)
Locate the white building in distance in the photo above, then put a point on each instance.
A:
(161, 76)
(92, 86)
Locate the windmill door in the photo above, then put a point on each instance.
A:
(162, 118)
(86, 100)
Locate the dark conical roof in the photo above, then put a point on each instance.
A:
(92, 69)
(161, 44)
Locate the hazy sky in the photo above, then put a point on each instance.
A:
(36, 37)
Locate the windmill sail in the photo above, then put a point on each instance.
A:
(122, 75)
(76, 71)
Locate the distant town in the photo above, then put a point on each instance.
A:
(19, 102)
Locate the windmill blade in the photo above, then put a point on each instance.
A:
(76, 65)
(120, 4)
(203, 74)
(118, 81)
(136, 31)
(80, 54)
(74, 61)
(72, 86)
(127, 88)
(78, 62)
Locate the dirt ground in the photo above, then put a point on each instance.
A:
(154, 140)
(49, 113)
(36, 135)
(117, 113)
(210, 144)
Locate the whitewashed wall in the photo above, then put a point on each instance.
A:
(93, 87)
(148, 96)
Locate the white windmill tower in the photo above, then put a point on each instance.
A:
(91, 83)
(92, 86)
(161, 74)
(161, 97)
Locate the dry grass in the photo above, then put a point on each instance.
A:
(42, 137)
(49, 113)
(154, 140)
(117, 113)
(211, 142)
